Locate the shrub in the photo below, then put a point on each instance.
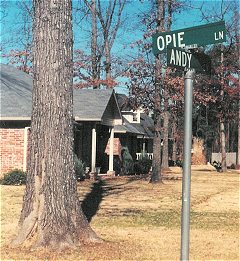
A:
(233, 166)
(127, 161)
(14, 177)
(117, 165)
(143, 166)
(79, 168)
(179, 163)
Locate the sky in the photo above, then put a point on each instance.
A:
(132, 31)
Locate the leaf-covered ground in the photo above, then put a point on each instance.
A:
(141, 221)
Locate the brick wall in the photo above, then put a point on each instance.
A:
(11, 149)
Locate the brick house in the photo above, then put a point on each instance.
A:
(96, 112)
(97, 121)
(15, 115)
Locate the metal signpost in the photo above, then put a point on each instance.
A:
(171, 42)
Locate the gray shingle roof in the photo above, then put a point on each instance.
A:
(16, 97)
(90, 104)
(127, 128)
(146, 125)
(15, 93)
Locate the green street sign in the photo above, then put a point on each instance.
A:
(201, 35)
(183, 59)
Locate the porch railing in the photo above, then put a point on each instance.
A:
(141, 155)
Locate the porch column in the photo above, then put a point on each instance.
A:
(25, 148)
(111, 171)
(144, 147)
(94, 145)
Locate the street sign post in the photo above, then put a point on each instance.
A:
(178, 58)
(185, 59)
(201, 35)
(186, 179)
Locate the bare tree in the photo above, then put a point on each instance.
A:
(156, 163)
(110, 23)
(51, 214)
(166, 115)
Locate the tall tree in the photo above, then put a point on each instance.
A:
(51, 214)
(228, 70)
(95, 60)
(166, 115)
(110, 22)
(156, 163)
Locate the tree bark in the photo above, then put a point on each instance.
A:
(108, 60)
(51, 214)
(165, 153)
(223, 145)
(222, 126)
(156, 163)
(238, 151)
(174, 146)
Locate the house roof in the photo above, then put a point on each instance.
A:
(128, 127)
(88, 105)
(144, 128)
(146, 125)
(15, 93)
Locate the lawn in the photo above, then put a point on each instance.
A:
(141, 221)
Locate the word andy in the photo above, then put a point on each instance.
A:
(180, 58)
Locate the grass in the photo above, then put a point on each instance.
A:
(141, 221)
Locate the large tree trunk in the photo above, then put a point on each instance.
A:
(156, 163)
(51, 215)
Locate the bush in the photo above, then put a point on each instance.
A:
(14, 177)
(233, 166)
(79, 168)
(142, 166)
(179, 163)
(117, 165)
(127, 161)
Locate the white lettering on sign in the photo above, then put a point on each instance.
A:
(180, 39)
(175, 39)
(180, 58)
(218, 36)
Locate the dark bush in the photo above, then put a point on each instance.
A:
(142, 166)
(117, 165)
(14, 177)
(179, 163)
(233, 166)
(79, 168)
(127, 162)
